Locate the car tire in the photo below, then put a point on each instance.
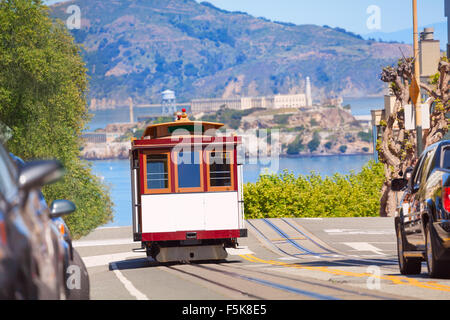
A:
(407, 266)
(436, 268)
(83, 292)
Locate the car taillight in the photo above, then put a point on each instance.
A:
(62, 230)
(446, 199)
(3, 238)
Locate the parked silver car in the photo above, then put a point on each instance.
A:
(32, 263)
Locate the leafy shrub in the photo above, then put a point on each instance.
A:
(343, 149)
(314, 144)
(350, 138)
(365, 136)
(285, 195)
(314, 123)
(282, 119)
(296, 147)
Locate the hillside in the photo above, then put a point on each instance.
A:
(321, 131)
(138, 48)
(405, 35)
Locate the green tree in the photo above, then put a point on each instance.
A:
(43, 89)
(365, 136)
(296, 147)
(314, 144)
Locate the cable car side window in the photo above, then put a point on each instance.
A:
(157, 170)
(189, 171)
(220, 171)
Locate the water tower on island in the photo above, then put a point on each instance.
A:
(169, 102)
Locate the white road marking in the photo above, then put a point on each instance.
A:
(106, 259)
(103, 228)
(288, 259)
(338, 232)
(96, 243)
(239, 251)
(256, 266)
(364, 246)
(127, 283)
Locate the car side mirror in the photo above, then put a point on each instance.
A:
(399, 184)
(37, 174)
(60, 208)
(409, 172)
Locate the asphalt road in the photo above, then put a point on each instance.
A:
(282, 259)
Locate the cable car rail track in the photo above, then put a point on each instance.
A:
(358, 262)
(308, 282)
(254, 279)
(216, 283)
(306, 252)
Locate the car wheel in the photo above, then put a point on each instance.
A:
(436, 269)
(408, 266)
(80, 292)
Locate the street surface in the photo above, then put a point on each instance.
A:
(282, 259)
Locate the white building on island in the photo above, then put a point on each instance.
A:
(280, 101)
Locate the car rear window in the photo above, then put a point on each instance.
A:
(446, 159)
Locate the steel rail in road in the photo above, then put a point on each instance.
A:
(401, 280)
(271, 284)
(308, 237)
(335, 252)
(216, 283)
(356, 292)
(362, 262)
(289, 240)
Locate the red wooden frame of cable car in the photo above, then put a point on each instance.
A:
(165, 145)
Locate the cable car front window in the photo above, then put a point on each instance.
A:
(220, 169)
(157, 172)
(189, 170)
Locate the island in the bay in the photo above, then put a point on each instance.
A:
(305, 129)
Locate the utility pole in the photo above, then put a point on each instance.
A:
(130, 101)
(415, 86)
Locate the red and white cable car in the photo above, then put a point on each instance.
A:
(186, 191)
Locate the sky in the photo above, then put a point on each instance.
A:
(348, 14)
(352, 15)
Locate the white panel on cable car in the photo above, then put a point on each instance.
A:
(190, 212)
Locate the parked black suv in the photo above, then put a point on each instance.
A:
(423, 218)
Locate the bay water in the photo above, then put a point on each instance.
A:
(116, 173)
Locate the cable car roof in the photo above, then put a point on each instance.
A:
(166, 129)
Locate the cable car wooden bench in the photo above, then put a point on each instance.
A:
(187, 195)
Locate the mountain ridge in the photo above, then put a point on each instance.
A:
(405, 35)
(137, 49)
